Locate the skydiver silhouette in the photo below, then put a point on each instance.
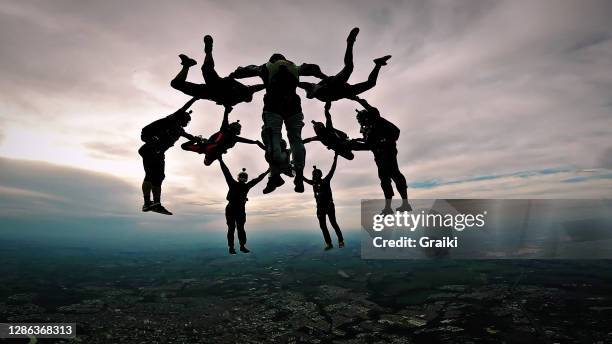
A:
(281, 105)
(325, 203)
(332, 88)
(380, 136)
(158, 137)
(220, 142)
(235, 213)
(224, 91)
(331, 137)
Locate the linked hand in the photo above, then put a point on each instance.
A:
(261, 145)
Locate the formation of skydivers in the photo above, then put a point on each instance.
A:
(282, 105)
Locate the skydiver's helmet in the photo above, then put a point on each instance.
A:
(235, 127)
(318, 127)
(316, 173)
(183, 117)
(243, 176)
(277, 57)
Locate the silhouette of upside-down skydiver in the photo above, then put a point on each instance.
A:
(330, 137)
(336, 87)
(224, 91)
(281, 106)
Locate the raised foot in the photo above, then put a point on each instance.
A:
(341, 244)
(243, 249)
(328, 247)
(208, 44)
(353, 35)
(382, 60)
(232, 250)
(187, 61)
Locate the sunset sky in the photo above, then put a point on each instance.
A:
(494, 99)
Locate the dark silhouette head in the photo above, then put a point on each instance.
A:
(235, 127)
(183, 118)
(277, 57)
(316, 173)
(243, 176)
(318, 127)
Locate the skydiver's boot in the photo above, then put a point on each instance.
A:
(147, 205)
(187, 61)
(404, 207)
(299, 181)
(382, 61)
(341, 244)
(147, 187)
(328, 246)
(243, 249)
(387, 210)
(273, 182)
(232, 250)
(208, 44)
(158, 208)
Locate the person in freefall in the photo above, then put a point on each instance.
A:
(336, 87)
(281, 106)
(158, 137)
(331, 137)
(235, 212)
(224, 91)
(325, 203)
(220, 142)
(380, 137)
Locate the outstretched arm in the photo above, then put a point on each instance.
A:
(187, 105)
(328, 120)
(310, 139)
(190, 137)
(365, 104)
(226, 173)
(332, 170)
(358, 145)
(258, 179)
(246, 72)
(251, 142)
(226, 113)
(309, 69)
(308, 181)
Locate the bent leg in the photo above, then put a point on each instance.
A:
(385, 178)
(361, 87)
(399, 179)
(208, 71)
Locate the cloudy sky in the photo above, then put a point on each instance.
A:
(495, 99)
